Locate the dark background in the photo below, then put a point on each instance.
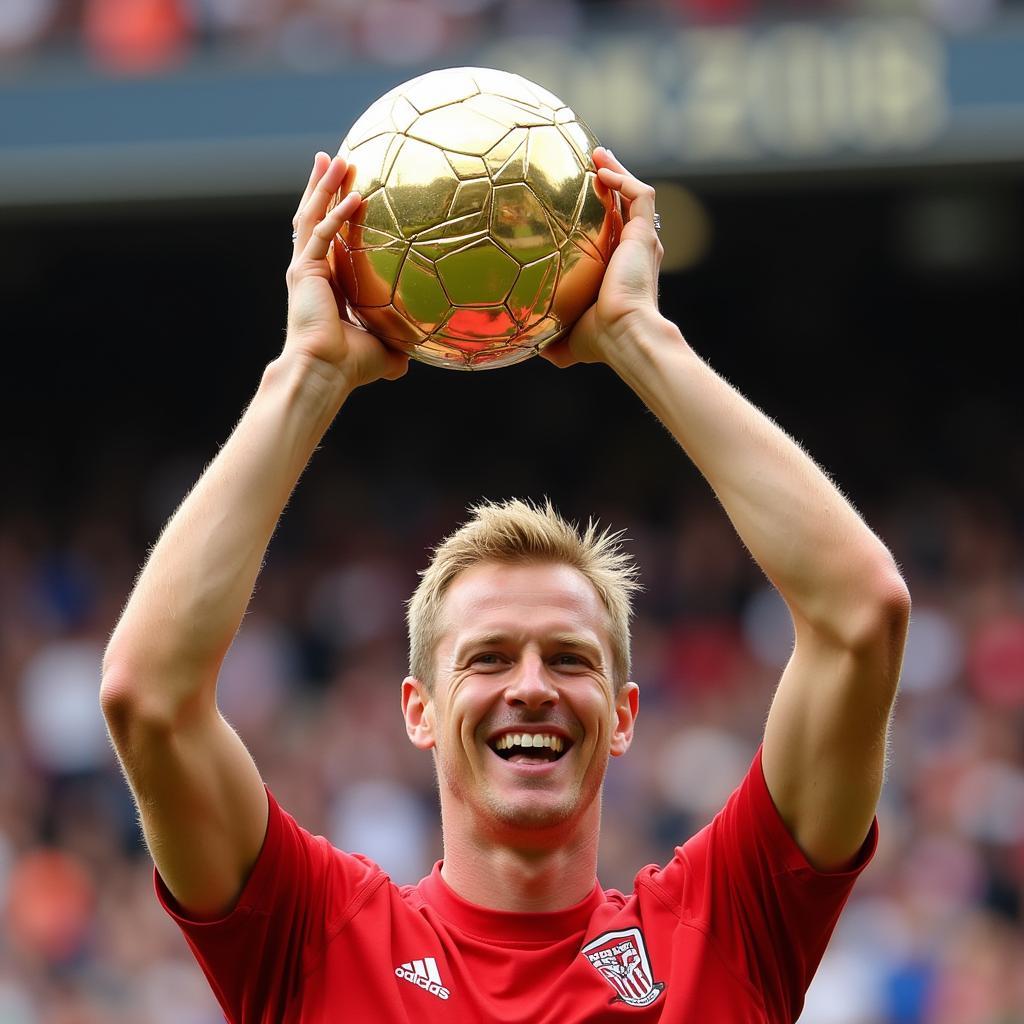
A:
(135, 332)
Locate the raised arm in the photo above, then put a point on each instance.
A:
(199, 794)
(825, 739)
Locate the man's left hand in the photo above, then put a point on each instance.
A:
(629, 291)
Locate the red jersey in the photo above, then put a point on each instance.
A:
(731, 930)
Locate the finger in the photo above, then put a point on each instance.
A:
(558, 353)
(606, 158)
(314, 209)
(320, 164)
(348, 180)
(638, 195)
(610, 181)
(606, 161)
(624, 208)
(327, 229)
(398, 364)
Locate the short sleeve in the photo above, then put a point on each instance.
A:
(746, 883)
(300, 893)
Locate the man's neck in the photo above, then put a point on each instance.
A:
(524, 878)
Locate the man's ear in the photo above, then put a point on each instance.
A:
(627, 707)
(418, 710)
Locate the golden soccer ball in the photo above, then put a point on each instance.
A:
(484, 232)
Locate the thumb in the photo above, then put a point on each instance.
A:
(579, 344)
(558, 353)
(397, 364)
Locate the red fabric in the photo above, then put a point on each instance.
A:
(731, 929)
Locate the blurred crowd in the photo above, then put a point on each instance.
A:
(934, 933)
(151, 36)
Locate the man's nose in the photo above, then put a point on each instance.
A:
(531, 686)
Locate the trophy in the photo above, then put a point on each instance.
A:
(484, 232)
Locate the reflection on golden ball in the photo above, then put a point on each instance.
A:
(484, 233)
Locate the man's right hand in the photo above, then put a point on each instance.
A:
(317, 327)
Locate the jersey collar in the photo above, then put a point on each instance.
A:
(503, 925)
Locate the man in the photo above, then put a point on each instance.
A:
(519, 686)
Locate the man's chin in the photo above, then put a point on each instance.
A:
(534, 813)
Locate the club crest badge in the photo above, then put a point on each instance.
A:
(621, 959)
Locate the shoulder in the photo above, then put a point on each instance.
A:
(295, 868)
(744, 845)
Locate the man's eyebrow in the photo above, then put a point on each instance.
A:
(572, 641)
(580, 643)
(493, 637)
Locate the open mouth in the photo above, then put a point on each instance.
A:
(530, 748)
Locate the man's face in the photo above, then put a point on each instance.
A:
(523, 715)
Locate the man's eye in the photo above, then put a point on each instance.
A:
(487, 659)
(569, 659)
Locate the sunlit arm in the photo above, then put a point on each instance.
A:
(824, 746)
(190, 598)
(199, 794)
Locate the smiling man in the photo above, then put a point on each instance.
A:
(520, 687)
(520, 659)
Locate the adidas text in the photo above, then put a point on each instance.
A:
(423, 974)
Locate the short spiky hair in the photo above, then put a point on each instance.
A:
(524, 532)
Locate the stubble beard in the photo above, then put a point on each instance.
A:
(521, 812)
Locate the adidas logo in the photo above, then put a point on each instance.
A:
(423, 974)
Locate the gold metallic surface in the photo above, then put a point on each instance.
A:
(483, 234)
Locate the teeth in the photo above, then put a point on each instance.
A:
(527, 739)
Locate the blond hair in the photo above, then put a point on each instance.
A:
(516, 531)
